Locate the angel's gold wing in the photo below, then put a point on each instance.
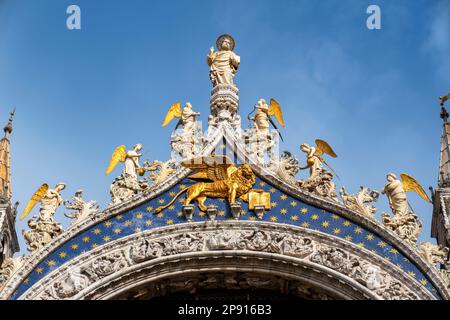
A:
(37, 197)
(174, 112)
(323, 147)
(411, 184)
(119, 155)
(275, 110)
(212, 168)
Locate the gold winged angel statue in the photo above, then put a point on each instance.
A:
(404, 221)
(129, 158)
(314, 159)
(264, 113)
(184, 144)
(395, 191)
(186, 116)
(50, 200)
(219, 178)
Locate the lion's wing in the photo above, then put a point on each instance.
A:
(213, 168)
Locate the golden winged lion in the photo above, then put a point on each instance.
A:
(219, 178)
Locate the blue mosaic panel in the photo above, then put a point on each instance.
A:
(285, 209)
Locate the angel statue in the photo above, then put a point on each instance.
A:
(50, 200)
(263, 115)
(404, 222)
(395, 191)
(127, 184)
(184, 143)
(314, 159)
(186, 115)
(224, 63)
(130, 159)
(43, 228)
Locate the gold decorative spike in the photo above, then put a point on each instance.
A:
(37, 197)
(275, 110)
(119, 155)
(174, 112)
(411, 184)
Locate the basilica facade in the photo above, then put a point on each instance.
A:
(226, 215)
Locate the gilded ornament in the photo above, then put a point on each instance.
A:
(225, 181)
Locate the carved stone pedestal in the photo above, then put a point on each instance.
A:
(188, 212)
(259, 211)
(236, 210)
(212, 212)
(224, 105)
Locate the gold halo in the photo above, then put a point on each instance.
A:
(220, 39)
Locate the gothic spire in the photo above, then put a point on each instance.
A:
(444, 165)
(5, 173)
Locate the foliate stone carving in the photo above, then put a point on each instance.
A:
(392, 289)
(40, 233)
(106, 265)
(433, 253)
(147, 250)
(8, 267)
(223, 240)
(372, 276)
(261, 144)
(364, 272)
(79, 278)
(361, 201)
(445, 275)
(299, 247)
(159, 171)
(407, 226)
(320, 184)
(68, 287)
(81, 209)
(285, 167)
(125, 186)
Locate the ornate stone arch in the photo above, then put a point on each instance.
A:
(256, 255)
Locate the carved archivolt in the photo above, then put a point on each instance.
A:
(355, 266)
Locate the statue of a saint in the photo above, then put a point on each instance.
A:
(223, 63)
(131, 164)
(396, 194)
(130, 159)
(50, 202)
(188, 119)
(261, 117)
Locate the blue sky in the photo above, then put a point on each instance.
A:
(79, 94)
